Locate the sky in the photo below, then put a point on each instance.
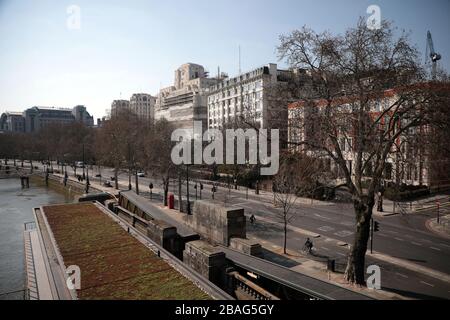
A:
(130, 46)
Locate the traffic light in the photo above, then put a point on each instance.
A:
(376, 226)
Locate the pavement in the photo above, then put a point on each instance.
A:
(441, 228)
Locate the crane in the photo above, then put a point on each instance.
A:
(433, 55)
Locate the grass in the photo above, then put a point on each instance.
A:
(114, 265)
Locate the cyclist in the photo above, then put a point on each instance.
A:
(308, 245)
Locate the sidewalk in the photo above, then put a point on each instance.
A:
(442, 228)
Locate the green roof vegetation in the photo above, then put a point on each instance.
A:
(113, 264)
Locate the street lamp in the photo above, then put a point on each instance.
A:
(195, 187)
(84, 176)
(150, 186)
(187, 189)
(201, 188)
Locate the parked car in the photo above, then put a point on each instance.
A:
(98, 175)
(141, 174)
(107, 183)
(79, 164)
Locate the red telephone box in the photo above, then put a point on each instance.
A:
(171, 201)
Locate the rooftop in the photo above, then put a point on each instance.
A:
(113, 264)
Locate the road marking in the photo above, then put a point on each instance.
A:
(394, 232)
(343, 233)
(434, 248)
(402, 275)
(428, 284)
(382, 235)
(445, 245)
(399, 239)
(326, 249)
(322, 217)
(416, 243)
(325, 228)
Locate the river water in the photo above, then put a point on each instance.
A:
(15, 209)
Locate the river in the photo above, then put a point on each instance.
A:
(15, 209)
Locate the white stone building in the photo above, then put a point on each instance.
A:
(118, 105)
(185, 101)
(143, 105)
(247, 95)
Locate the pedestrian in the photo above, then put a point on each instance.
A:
(252, 218)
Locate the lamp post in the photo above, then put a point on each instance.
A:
(196, 190)
(87, 179)
(84, 176)
(187, 189)
(150, 186)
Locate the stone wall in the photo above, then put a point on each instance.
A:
(207, 260)
(247, 246)
(215, 222)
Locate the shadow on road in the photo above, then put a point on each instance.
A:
(413, 295)
(279, 259)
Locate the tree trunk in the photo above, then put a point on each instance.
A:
(355, 269)
(180, 197)
(166, 192)
(116, 182)
(137, 182)
(285, 235)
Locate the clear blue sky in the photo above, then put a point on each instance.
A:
(132, 46)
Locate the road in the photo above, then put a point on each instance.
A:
(400, 236)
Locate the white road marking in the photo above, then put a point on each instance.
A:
(343, 233)
(416, 243)
(382, 235)
(402, 275)
(325, 228)
(399, 239)
(322, 217)
(428, 284)
(445, 245)
(434, 248)
(394, 232)
(326, 249)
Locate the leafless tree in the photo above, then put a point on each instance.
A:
(157, 151)
(298, 175)
(357, 113)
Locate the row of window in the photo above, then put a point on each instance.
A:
(257, 85)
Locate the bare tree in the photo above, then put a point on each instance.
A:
(111, 144)
(157, 151)
(298, 175)
(371, 89)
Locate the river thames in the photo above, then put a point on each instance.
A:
(16, 209)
